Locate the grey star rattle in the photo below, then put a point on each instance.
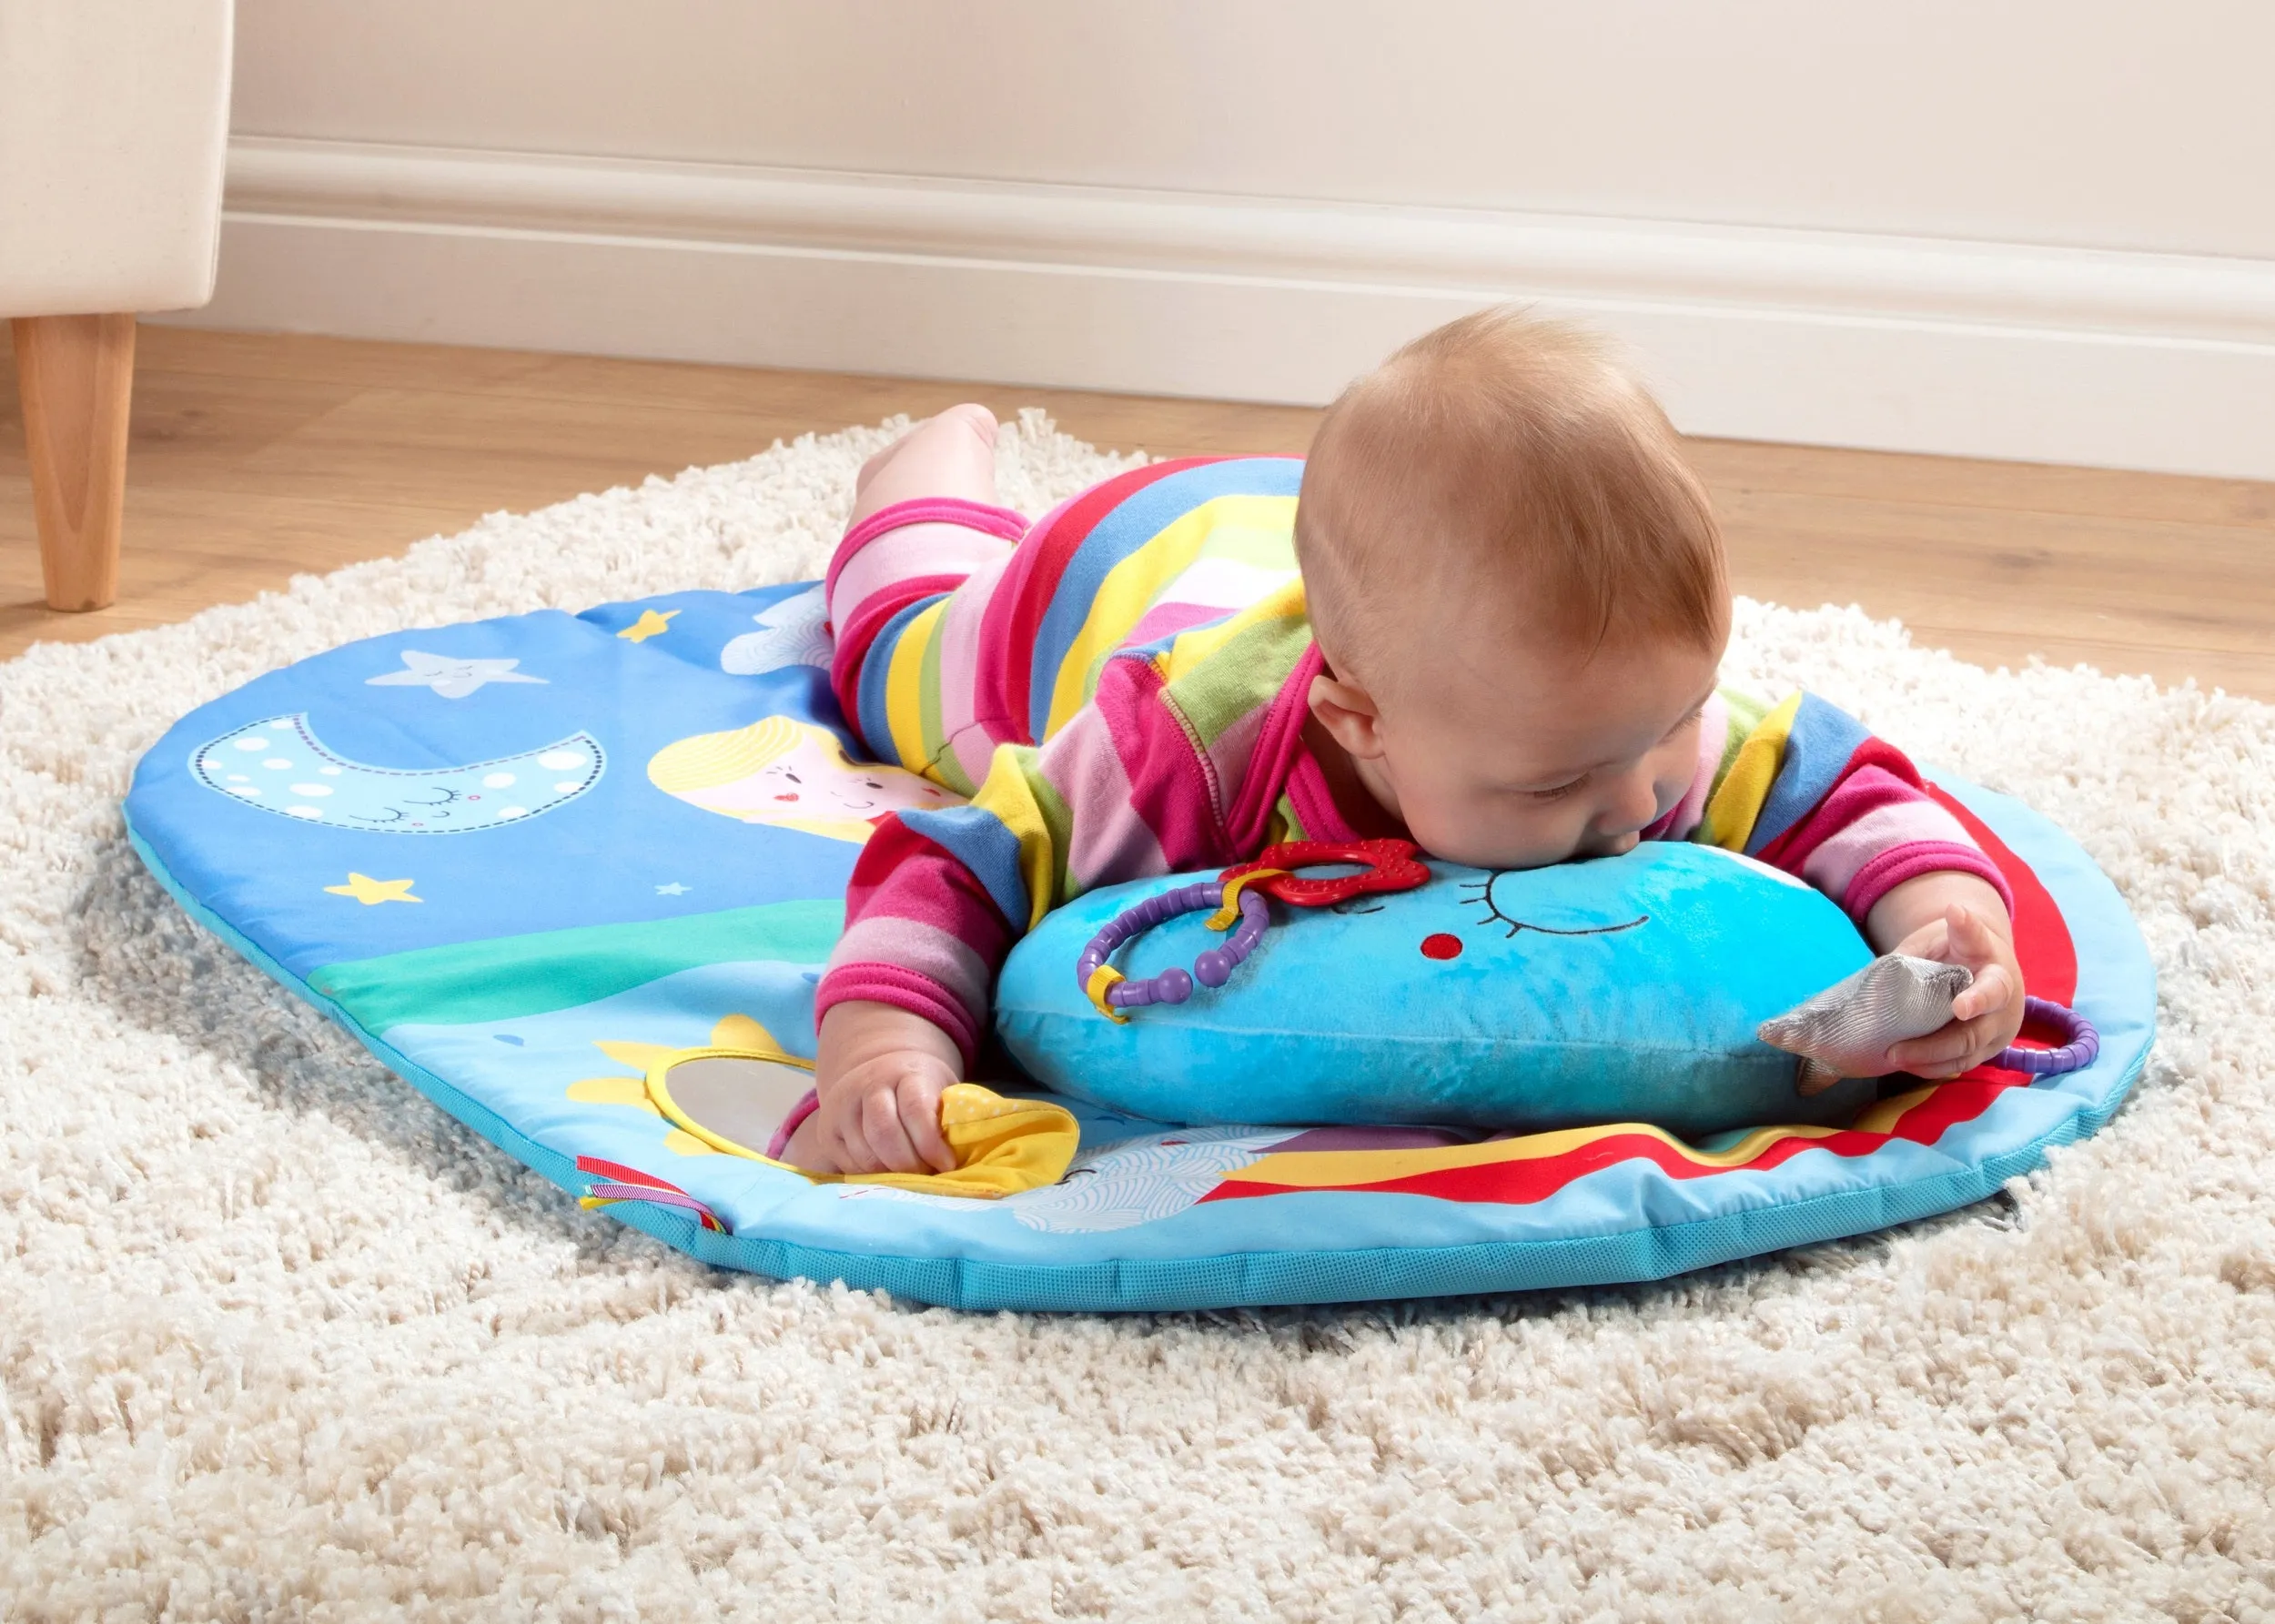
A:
(1846, 1030)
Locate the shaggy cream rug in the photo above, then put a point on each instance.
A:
(279, 1340)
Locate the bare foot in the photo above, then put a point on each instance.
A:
(953, 454)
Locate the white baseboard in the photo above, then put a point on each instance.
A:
(1983, 350)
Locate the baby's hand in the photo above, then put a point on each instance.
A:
(878, 1078)
(1986, 1017)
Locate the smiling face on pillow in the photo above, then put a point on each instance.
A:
(791, 774)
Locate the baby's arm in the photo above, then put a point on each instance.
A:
(936, 900)
(1806, 788)
(903, 1004)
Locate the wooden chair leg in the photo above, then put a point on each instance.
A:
(76, 377)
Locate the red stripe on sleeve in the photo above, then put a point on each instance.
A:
(1013, 621)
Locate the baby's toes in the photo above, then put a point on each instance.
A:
(974, 418)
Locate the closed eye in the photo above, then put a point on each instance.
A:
(1484, 890)
(1559, 791)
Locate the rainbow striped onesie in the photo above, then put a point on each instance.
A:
(1121, 690)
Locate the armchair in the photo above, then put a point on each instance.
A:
(114, 123)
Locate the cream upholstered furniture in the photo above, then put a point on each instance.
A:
(114, 121)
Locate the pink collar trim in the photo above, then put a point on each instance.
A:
(1283, 764)
(1314, 802)
(1279, 759)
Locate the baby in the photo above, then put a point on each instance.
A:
(1503, 642)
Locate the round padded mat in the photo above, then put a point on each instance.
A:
(448, 840)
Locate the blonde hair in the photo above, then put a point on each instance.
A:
(1510, 462)
(692, 767)
(712, 761)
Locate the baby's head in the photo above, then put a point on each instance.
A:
(1518, 585)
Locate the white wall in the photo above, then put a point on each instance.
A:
(2085, 123)
(2037, 228)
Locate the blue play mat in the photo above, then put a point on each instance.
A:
(450, 842)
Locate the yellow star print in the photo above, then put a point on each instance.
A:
(367, 890)
(649, 623)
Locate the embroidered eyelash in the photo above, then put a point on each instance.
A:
(1484, 889)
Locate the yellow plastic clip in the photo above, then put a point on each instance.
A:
(1103, 977)
(1224, 918)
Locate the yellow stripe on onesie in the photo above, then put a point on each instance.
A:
(1739, 798)
(1013, 795)
(1225, 525)
(903, 688)
(928, 721)
(1198, 647)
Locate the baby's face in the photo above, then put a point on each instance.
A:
(1533, 755)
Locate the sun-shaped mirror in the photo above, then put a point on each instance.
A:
(732, 1100)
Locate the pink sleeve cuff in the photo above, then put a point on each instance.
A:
(1891, 868)
(792, 1123)
(918, 994)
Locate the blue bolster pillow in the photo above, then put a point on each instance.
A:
(1626, 989)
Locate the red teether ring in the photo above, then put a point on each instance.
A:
(1388, 865)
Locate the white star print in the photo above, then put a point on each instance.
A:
(674, 889)
(452, 678)
(793, 636)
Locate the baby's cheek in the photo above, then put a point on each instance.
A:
(1514, 835)
(1674, 777)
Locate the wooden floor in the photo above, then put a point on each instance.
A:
(255, 457)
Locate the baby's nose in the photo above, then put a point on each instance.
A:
(1631, 807)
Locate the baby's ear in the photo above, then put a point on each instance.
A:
(1349, 713)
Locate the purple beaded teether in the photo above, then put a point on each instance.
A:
(1112, 992)
(1237, 897)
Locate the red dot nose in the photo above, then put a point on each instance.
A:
(1442, 946)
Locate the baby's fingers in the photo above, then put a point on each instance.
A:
(1992, 989)
(1949, 1050)
(1973, 942)
(885, 1135)
(847, 1150)
(920, 1118)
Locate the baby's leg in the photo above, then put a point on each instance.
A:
(924, 525)
(952, 455)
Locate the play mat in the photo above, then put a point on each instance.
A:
(470, 846)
